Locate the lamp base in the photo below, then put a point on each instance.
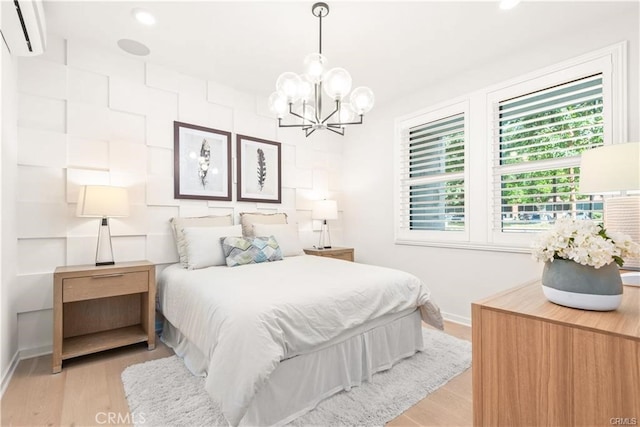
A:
(622, 214)
(105, 263)
(325, 237)
(104, 250)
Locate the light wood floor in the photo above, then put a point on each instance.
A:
(89, 387)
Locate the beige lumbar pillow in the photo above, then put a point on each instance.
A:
(178, 224)
(248, 219)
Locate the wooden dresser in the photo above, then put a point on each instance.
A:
(536, 363)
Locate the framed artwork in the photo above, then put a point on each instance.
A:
(258, 170)
(202, 162)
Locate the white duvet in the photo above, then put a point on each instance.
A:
(247, 319)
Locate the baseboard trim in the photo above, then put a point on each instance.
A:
(457, 319)
(17, 357)
(6, 378)
(35, 352)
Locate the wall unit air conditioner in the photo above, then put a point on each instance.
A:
(23, 27)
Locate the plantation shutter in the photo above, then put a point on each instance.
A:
(539, 138)
(432, 187)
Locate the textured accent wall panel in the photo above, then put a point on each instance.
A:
(127, 96)
(162, 103)
(127, 127)
(160, 191)
(161, 249)
(247, 123)
(127, 157)
(42, 78)
(87, 152)
(39, 219)
(85, 57)
(42, 148)
(157, 219)
(135, 224)
(36, 112)
(88, 121)
(198, 111)
(33, 292)
(129, 248)
(40, 255)
(159, 131)
(87, 87)
(38, 184)
(160, 161)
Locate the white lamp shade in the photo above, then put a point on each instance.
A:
(325, 209)
(610, 169)
(102, 201)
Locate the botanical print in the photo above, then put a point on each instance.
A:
(202, 163)
(262, 169)
(258, 170)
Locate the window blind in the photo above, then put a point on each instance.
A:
(538, 141)
(432, 161)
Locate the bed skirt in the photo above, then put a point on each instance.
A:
(299, 383)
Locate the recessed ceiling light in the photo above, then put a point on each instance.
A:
(133, 47)
(143, 16)
(508, 4)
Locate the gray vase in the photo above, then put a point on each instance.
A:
(580, 286)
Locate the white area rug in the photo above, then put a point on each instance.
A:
(164, 393)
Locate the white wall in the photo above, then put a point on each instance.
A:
(458, 276)
(8, 167)
(91, 117)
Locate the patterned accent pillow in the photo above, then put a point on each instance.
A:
(250, 250)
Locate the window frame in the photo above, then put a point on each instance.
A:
(479, 146)
(402, 127)
(602, 65)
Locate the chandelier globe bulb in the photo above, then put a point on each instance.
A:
(315, 65)
(362, 100)
(278, 104)
(305, 90)
(347, 114)
(289, 84)
(337, 83)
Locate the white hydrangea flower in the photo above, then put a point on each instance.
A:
(584, 242)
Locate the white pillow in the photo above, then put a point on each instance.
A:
(286, 235)
(204, 248)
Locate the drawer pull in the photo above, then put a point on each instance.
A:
(102, 276)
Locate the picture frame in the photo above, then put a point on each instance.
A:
(202, 162)
(259, 170)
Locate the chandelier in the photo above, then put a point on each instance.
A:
(300, 96)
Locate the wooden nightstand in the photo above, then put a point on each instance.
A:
(335, 252)
(99, 308)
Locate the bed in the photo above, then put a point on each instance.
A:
(275, 338)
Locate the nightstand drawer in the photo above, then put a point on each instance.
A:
(105, 285)
(347, 256)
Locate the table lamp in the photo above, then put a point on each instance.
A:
(324, 210)
(613, 170)
(103, 201)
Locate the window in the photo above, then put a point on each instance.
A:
(539, 138)
(432, 173)
(489, 169)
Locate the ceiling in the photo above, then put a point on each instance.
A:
(394, 47)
